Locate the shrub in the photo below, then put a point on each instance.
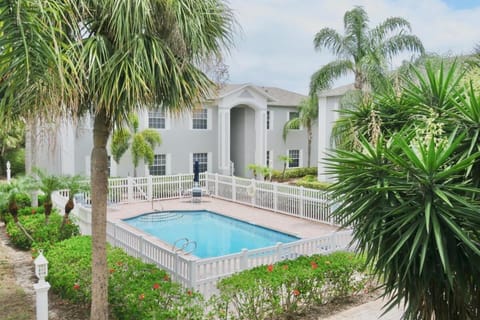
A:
(44, 235)
(17, 161)
(294, 173)
(310, 181)
(137, 290)
(289, 287)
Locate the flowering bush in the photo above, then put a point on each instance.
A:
(289, 287)
(137, 290)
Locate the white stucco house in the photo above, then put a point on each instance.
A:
(242, 125)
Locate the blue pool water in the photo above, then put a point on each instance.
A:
(215, 234)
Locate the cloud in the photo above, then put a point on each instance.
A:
(276, 44)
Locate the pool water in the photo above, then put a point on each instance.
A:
(215, 235)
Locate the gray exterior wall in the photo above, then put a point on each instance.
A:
(236, 129)
(296, 139)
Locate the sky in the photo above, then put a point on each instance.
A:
(274, 38)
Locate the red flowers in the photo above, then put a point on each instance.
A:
(189, 292)
(76, 286)
(111, 270)
(156, 286)
(141, 296)
(270, 268)
(166, 277)
(34, 211)
(314, 265)
(296, 292)
(119, 263)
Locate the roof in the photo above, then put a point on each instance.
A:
(338, 91)
(275, 96)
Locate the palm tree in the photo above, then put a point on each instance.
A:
(286, 160)
(140, 54)
(307, 115)
(47, 183)
(127, 55)
(74, 184)
(362, 51)
(142, 143)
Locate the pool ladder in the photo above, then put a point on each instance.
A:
(187, 247)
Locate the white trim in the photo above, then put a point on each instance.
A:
(209, 161)
(299, 158)
(209, 119)
(168, 164)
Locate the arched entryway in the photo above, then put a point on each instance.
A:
(242, 139)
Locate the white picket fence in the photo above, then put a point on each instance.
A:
(203, 274)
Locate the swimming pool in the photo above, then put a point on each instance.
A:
(215, 235)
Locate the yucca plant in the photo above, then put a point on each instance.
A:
(411, 198)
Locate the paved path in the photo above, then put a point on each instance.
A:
(368, 311)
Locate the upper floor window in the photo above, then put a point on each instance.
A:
(156, 119)
(295, 158)
(293, 115)
(200, 119)
(202, 159)
(159, 166)
(268, 119)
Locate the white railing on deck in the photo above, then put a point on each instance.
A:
(203, 274)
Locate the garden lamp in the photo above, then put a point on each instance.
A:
(41, 267)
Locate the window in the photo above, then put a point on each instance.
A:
(156, 119)
(199, 119)
(159, 166)
(202, 159)
(293, 115)
(295, 158)
(268, 159)
(268, 122)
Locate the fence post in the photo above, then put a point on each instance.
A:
(254, 197)
(206, 175)
(275, 197)
(149, 188)
(193, 274)
(278, 252)
(179, 183)
(216, 184)
(129, 189)
(302, 201)
(141, 248)
(175, 268)
(234, 189)
(243, 260)
(114, 235)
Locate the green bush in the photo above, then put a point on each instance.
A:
(137, 290)
(17, 161)
(289, 287)
(44, 235)
(294, 173)
(310, 181)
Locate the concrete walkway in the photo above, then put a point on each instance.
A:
(367, 311)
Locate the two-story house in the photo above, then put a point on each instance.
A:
(242, 125)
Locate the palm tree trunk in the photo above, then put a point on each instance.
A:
(68, 208)
(99, 183)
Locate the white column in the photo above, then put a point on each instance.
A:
(261, 134)
(224, 141)
(324, 131)
(41, 291)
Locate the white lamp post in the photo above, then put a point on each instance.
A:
(41, 288)
(9, 172)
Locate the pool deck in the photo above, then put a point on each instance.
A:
(301, 228)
